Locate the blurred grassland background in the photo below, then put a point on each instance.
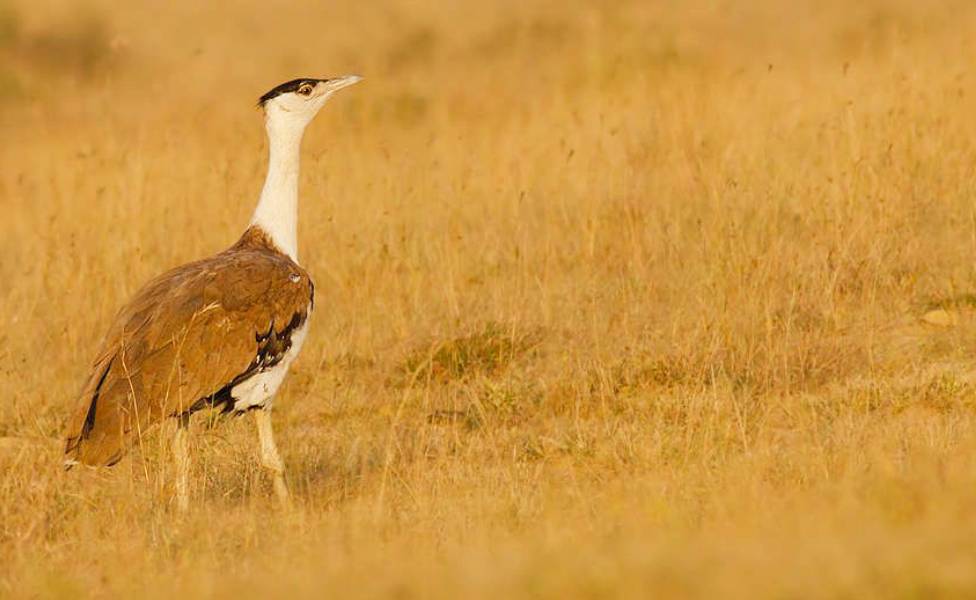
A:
(613, 299)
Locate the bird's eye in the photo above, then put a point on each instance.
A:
(305, 89)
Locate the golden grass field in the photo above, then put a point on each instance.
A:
(636, 299)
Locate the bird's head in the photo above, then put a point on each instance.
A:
(295, 103)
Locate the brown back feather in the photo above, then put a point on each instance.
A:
(184, 337)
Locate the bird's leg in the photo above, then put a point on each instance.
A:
(181, 455)
(269, 454)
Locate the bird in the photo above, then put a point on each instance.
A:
(218, 333)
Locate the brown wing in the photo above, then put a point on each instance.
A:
(182, 342)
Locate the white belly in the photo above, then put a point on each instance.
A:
(259, 390)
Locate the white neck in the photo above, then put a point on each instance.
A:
(277, 210)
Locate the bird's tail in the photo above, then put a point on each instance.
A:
(95, 436)
(94, 448)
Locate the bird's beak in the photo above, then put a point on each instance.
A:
(337, 83)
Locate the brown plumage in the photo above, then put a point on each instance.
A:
(221, 332)
(185, 340)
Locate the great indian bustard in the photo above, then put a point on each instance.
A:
(219, 332)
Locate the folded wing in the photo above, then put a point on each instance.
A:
(183, 342)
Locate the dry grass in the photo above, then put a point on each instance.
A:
(612, 300)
